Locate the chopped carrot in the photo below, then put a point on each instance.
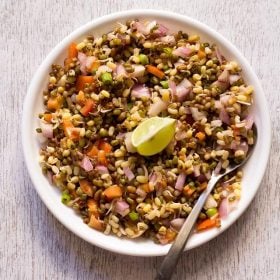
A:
(54, 103)
(82, 81)
(94, 66)
(145, 187)
(47, 117)
(200, 135)
(72, 50)
(188, 191)
(80, 98)
(105, 146)
(113, 192)
(155, 71)
(87, 108)
(93, 207)
(102, 157)
(207, 224)
(201, 54)
(70, 131)
(93, 152)
(96, 223)
(86, 187)
(170, 235)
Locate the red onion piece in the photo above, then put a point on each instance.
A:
(224, 77)
(119, 71)
(210, 202)
(224, 99)
(218, 104)
(128, 144)
(102, 169)
(83, 61)
(183, 89)
(157, 108)
(161, 30)
(233, 78)
(86, 164)
(47, 129)
(182, 52)
(177, 223)
(121, 207)
(224, 208)
(224, 117)
(140, 90)
(180, 181)
(218, 168)
(141, 192)
(197, 116)
(169, 39)
(139, 71)
(128, 173)
(249, 121)
(172, 87)
(89, 61)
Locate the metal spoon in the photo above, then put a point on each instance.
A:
(170, 261)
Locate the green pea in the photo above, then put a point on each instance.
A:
(211, 212)
(143, 59)
(65, 198)
(164, 84)
(106, 78)
(133, 216)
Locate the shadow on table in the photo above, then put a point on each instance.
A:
(73, 258)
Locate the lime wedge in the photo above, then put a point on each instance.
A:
(153, 135)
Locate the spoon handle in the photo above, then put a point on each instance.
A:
(169, 263)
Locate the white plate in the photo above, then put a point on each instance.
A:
(254, 169)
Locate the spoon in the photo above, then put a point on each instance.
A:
(170, 261)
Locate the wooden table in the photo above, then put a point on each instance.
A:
(33, 244)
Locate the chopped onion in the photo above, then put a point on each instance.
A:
(177, 223)
(139, 71)
(197, 116)
(216, 123)
(182, 52)
(224, 99)
(119, 71)
(128, 144)
(210, 202)
(172, 87)
(140, 90)
(156, 108)
(128, 173)
(47, 129)
(141, 192)
(249, 121)
(83, 61)
(183, 89)
(86, 164)
(233, 78)
(180, 181)
(121, 207)
(102, 169)
(224, 77)
(196, 170)
(224, 117)
(224, 208)
(161, 30)
(218, 168)
(89, 61)
(169, 39)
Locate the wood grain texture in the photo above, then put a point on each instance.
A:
(33, 244)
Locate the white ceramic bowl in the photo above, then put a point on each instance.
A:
(254, 169)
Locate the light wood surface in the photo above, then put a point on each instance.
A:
(33, 244)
